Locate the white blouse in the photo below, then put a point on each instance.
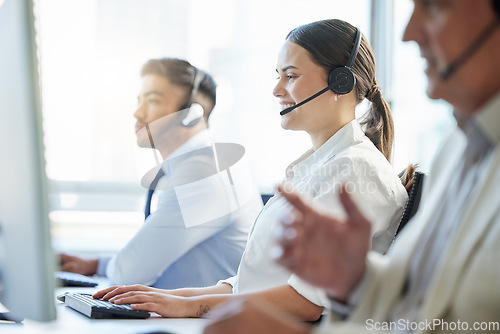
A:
(350, 158)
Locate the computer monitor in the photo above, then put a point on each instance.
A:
(26, 257)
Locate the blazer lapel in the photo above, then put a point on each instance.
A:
(478, 216)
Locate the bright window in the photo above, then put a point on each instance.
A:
(91, 53)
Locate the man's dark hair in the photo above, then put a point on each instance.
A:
(181, 72)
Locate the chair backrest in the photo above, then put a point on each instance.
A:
(414, 196)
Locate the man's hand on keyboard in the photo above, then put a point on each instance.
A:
(78, 265)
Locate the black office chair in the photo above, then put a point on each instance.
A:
(414, 196)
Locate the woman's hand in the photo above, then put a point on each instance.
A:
(163, 302)
(111, 292)
(167, 306)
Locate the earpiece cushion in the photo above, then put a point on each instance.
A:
(192, 115)
(341, 80)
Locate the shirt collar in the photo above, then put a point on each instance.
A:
(488, 120)
(485, 121)
(481, 130)
(340, 141)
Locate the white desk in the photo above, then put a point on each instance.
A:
(71, 322)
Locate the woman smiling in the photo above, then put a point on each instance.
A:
(316, 57)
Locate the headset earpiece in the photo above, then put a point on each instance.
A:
(191, 113)
(341, 80)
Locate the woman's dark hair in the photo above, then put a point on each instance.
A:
(329, 43)
(181, 73)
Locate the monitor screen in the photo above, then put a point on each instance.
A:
(26, 257)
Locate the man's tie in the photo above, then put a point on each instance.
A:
(151, 190)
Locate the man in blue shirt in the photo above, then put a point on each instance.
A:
(198, 232)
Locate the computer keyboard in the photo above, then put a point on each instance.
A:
(65, 278)
(100, 309)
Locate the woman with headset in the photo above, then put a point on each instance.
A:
(325, 69)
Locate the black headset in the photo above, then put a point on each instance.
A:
(341, 80)
(191, 113)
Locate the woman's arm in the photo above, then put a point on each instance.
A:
(198, 302)
(290, 301)
(219, 289)
(170, 306)
(115, 291)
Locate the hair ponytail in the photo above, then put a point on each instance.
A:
(379, 128)
(378, 123)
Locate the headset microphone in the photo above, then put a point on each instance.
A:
(287, 110)
(471, 50)
(341, 80)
